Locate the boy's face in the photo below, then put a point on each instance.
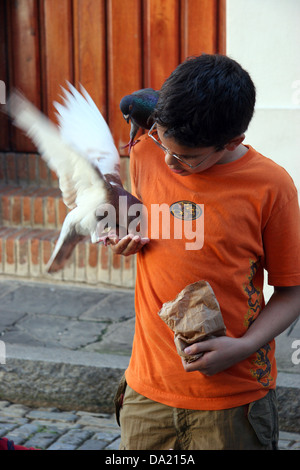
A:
(200, 158)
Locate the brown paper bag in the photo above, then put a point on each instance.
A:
(194, 316)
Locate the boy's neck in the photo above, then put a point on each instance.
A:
(231, 156)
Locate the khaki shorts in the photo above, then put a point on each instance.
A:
(148, 425)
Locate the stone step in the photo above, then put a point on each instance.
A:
(25, 168)
(25, 251)
(30, 206)
(30, 169)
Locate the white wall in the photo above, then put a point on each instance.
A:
(264, 37)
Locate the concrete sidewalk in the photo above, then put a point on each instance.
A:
(67, 346)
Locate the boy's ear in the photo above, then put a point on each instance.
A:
(235, 142)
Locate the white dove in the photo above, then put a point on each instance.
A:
(82, 153)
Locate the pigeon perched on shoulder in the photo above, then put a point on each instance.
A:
(82, 153)
(138, 108)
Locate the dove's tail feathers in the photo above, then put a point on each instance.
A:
(83, 127)
(59, 258)
(63, 250)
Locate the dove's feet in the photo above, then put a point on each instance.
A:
(130, 144)
(106, 237)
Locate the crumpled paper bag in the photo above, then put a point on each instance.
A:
(194, 316)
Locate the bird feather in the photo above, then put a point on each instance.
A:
(83, 126)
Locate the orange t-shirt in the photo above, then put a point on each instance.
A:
(245, 218)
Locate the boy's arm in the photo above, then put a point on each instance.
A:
(223, 352)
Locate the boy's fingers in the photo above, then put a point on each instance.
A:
(202, 346)
(134, 245)
(129, 245)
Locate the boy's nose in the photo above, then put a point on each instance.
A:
(169, 159)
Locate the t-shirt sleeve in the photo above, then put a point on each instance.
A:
(281, 239)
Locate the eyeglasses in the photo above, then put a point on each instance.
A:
(153, 132)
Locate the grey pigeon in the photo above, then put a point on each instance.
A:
(138, 109)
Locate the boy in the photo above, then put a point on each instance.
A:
(194, 156)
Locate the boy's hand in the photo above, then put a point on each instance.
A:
(128, 245)
(219, 354)
(223, 352)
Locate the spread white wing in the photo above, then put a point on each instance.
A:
(75, 173)
(84, 128)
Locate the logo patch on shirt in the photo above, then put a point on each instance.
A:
(185, 210)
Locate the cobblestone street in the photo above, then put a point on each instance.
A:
(51, 429)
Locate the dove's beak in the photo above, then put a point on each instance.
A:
(126, 117)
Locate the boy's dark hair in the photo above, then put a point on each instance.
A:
(206, 101)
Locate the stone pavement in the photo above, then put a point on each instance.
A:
(53, 429)
(65, 349)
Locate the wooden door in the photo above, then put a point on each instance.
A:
(112, 47)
